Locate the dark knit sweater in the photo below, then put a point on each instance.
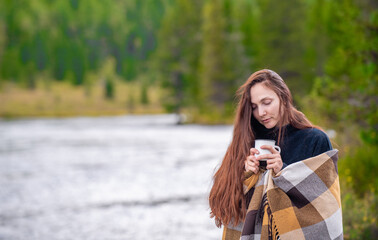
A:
(297, 144)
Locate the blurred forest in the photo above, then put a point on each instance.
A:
(93, 57)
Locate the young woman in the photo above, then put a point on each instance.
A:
(265, 111)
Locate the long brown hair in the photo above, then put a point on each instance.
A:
(226, 199)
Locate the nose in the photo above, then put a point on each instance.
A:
(262, 111)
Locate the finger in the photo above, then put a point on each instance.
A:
(249, 164)
(271, 156)
(253, 151)
(255, 164)
(255, 161)
(270, 148)
(271, 165)
(252, 159)
(273, 160)
(276, 166)
(247, 167)
(252, 169)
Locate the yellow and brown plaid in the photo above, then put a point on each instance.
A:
(301, 202)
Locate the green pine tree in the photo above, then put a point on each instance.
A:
(177, 52)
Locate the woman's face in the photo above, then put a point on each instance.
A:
(265, 105)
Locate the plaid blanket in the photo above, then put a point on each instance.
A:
(301, 202)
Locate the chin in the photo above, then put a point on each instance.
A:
(270, 125)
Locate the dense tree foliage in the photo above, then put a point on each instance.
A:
(201, 51)
(67, 39)
(349, 82)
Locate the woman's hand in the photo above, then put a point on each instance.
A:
(274, 160)
(251, 163)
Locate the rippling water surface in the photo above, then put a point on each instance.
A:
(132, 177)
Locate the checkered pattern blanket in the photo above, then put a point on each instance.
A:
(301, 202)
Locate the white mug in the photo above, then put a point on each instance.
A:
(261, 142)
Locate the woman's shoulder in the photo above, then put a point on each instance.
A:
(311, 136)
(318, 139)
(312, 141)
(311, 132)
(315, 132)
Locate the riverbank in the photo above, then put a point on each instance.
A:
(61, 99)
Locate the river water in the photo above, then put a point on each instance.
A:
(128, 177)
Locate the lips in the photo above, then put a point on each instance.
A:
(265, 120)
